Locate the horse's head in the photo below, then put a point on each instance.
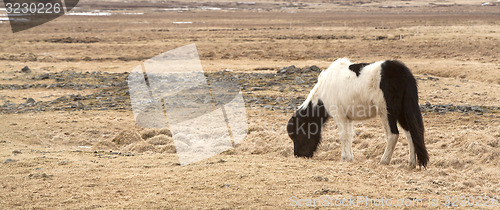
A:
(304, 128)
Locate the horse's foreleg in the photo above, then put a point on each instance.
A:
(392, 133)
(346, 135)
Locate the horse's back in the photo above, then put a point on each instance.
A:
(355, 95)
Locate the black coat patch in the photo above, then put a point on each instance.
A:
(401, 97)
(356, 68)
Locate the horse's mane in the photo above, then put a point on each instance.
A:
(312, 97)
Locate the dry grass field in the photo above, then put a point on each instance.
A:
(61, 121)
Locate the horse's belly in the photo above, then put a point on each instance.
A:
(361, 111)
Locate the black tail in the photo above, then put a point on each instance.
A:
(401, 95)
(414, 123)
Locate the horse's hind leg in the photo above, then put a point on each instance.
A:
(392, 133)
(412, 162)
(346, 136)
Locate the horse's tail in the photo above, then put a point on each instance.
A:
(413, 118)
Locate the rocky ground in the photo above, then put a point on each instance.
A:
(111, 90)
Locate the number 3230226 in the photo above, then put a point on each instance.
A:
(33, 8)
(470, 201)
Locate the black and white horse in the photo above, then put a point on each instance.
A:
(348, 92)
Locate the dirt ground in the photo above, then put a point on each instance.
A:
(76, 143)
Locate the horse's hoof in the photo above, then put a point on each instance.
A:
(412, 165)
(346, 159)
(385, 162)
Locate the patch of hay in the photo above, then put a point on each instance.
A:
(160, 140)
(150, 133)
(494, 142)
(366, 136)
(165, 148)
(164, 131)
(138, 147)
(331, 155)
(149, 140)
(374, 150)
(263, 142)
(286, 151)
(126, 137)
(105, 145)
(492, 157)
(475, 148)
